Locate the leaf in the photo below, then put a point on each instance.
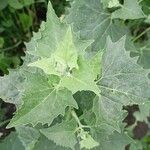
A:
(3, 4)
(1, 42)
(15, 4)
(11, 142)
(66, 53)
(111, 142)
(81, 79)
(130, 10)
(26, 21)
(44, 44)
(62, 134)
(143, 113)
(144, 55)
(110, 3)
(42, 101)
(48, 65)
(28, 136)
(45, 144)
(88, 142)
(12, 88)
(93, 22)
(63, 53)
(123, 82)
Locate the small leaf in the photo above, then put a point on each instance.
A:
(62, 134)
(81, 79)
(87, 141)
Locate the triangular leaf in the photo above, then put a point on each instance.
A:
(42, 101)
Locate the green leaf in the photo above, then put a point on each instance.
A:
(62, 134)
(81, 79)
(45, 144)
(123, 82)
(110, 142)
(15, 4)
(130, 10)
(11, 142)
(1, 42)
(66, 53)
(110, 3)
(93, 22)
(3, 4)
(42, 101)
(144, 55)
(48, 65)
(26, 21)
(143, 113)
(87, 141)
(12, 88)
(28, 136)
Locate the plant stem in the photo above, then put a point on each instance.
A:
(136, 38)
(11, 47)
(76, 118)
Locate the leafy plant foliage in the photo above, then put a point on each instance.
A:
(84, 54)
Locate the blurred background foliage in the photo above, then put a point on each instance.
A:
(20, 18)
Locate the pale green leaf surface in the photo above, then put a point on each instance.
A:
(66, 52)
(81, 79)
(95, 63)
(42, 102)
(143, 113)
(11, 87)
(46, 41)
(123, 82)
(93, 22)
(88, 142)
(48, 65)
(28, 136)
(130, 10)
(62, 134)
(115, 141)
(110, 3)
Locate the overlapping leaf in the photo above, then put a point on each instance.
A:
(92, 21)
(28, 136)
(62, 134)
(123, 82)
(130, 10)
(42, 101)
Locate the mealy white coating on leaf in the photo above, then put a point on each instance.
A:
(123, 82)
(42, 101)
